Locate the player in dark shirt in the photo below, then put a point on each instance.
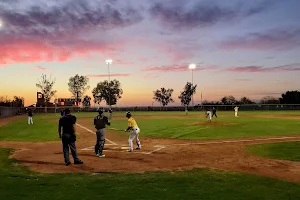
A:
(110, 113)
(214, 112)
(62, 113)
(100, 122)
(30, 115)
(66, 131)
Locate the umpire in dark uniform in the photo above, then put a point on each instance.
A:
(100, 122)
(214, 112)
(67, 125)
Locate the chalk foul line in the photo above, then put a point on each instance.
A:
(113, 143)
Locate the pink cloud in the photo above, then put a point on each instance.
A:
(41, 68)
(106, 75)
(179, 68)
(120, 62)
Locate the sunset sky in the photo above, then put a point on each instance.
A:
(241, 47)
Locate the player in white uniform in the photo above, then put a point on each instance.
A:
(236, 110)
(208, 115)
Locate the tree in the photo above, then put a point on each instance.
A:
(228, 100)
(86, 101)
(18, 101)
(269, 100)
(163, 96)
(187, 93)
(290, 97)
(108, 91)
(245, 100)
(78, 85)
(45, 86)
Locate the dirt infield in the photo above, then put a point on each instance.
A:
(156, 155)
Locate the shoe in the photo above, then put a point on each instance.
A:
(68, 163)
(78, 162)
(101, 155)
(138, 148)
(130, 150)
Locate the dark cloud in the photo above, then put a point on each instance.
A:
(202, 13)
(291, 67)
(276, 39)
(65, 16)
(179, 68)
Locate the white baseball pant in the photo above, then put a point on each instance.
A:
(30, 120)
(134, 134)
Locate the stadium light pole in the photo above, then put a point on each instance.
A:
(192, 67)
(109, 62)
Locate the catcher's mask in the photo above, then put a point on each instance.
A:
(128, 114)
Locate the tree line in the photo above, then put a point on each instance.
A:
(78, 85)
(111, 91)
(15, 102)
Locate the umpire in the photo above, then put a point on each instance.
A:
(100, 122)
(214, 112)
(68, 136)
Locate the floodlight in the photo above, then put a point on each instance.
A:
(109, 61)
(192, 66)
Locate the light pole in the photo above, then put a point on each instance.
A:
(108, 62)
(192, 67)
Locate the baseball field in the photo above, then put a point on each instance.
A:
(253, 156)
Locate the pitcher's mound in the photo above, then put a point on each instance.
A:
(212, 123)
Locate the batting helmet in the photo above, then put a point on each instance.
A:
(128, 114)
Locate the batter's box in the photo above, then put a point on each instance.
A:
(126, 148)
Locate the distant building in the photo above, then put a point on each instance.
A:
(68, 102)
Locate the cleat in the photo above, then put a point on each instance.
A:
(68, 163)
(138, 148)
(78, 162)
(130, 150)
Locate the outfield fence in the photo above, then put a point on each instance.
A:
(8, 111)
(11, 111)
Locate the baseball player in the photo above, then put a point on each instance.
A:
(214, 112)
(208, 115)
(62, 112)
(132, 125)
(110, 113)
(236, 110)
(30, 115)
(100, 122)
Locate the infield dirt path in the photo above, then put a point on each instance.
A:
(156, 155)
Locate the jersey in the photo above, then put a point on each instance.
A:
(100, 122)
(236, 109)
(132, 123)
(66, 123)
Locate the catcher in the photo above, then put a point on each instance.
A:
(132, 125)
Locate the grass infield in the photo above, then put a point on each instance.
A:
(281, 151)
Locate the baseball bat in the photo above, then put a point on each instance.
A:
(115, 129)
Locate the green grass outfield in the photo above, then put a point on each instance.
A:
(18, 183)
(281, 151)
(247, 125)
